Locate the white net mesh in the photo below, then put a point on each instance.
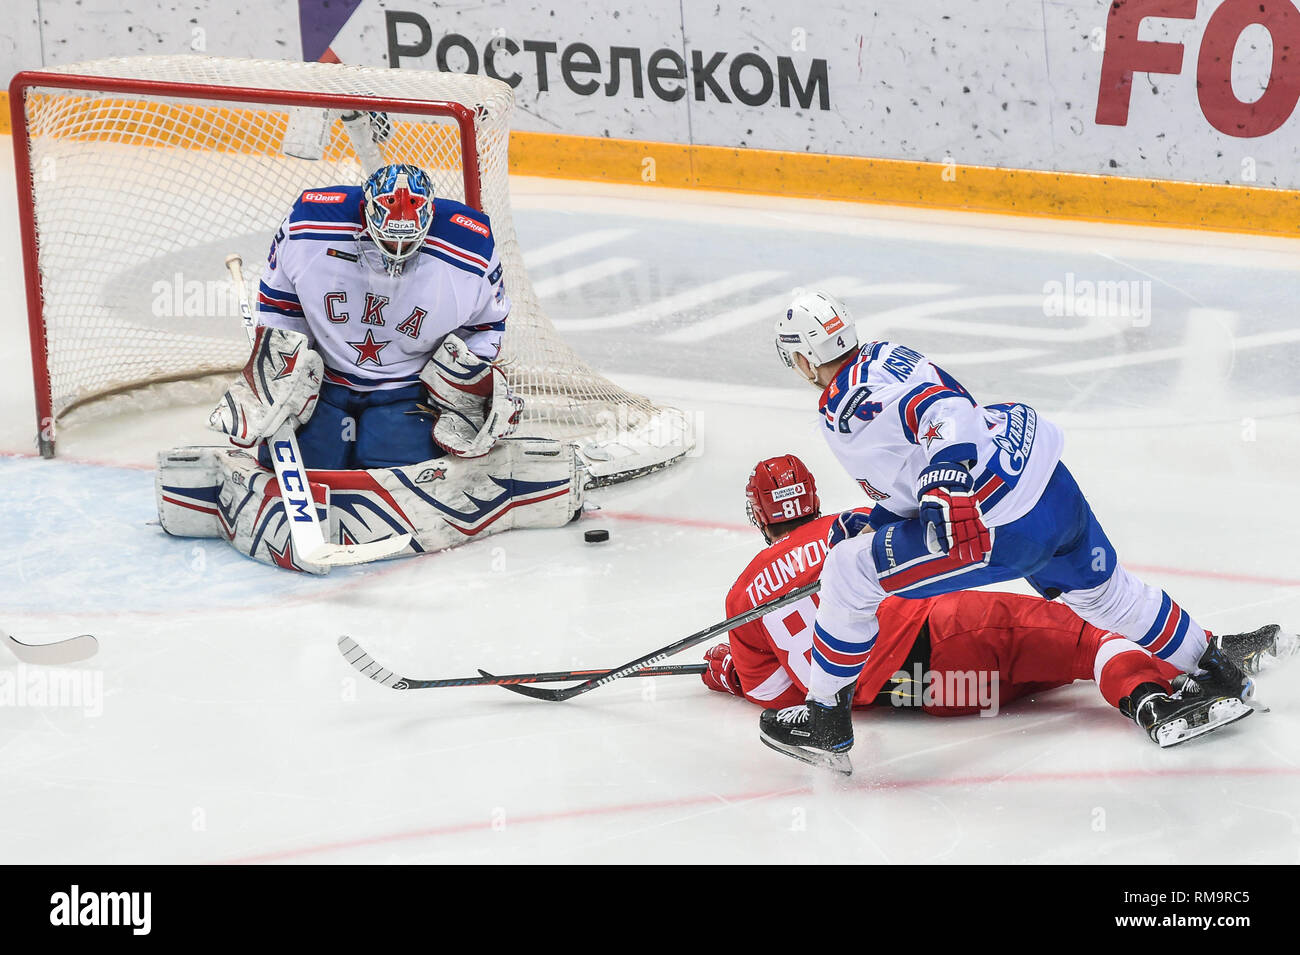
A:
(139, 198)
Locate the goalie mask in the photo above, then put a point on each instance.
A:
(817, 326)
(398, 206)
(780, 489)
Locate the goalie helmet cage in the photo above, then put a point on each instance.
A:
(138, 175)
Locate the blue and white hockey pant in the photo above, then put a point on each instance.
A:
(1058, 547)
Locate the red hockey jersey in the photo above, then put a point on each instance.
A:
(773, 654)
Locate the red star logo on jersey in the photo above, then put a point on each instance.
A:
(932, 434)
(290, 359)
(369, 349)
(401, 206)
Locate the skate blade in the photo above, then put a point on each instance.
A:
(837, 762)
(1221, 714)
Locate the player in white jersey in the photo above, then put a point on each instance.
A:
(381, 312)
(395, 290)
(964, 496)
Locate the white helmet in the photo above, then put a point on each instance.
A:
(817, 326)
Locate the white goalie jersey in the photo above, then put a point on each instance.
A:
(375, 330)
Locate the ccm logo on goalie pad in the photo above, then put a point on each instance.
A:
(297, 498)
(468, 223)
(323, 196)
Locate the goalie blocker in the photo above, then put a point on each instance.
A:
(225, 493)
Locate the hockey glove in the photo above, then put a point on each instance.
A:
(473, 404)
(280, 383)
(950, 513)
(721, 674)
(848, 524)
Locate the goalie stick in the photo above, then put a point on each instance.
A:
(365, 664)
(304, 528)
(71, 650)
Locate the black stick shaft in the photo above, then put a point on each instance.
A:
(366, 665)
(558, 676)
(629, 669)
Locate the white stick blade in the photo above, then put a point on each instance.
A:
(336, 555)
(365, 663)
(62, 652)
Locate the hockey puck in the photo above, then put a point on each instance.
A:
(596, 536)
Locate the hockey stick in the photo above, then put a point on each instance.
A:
(631, 669)
(71, 650)
(366, 664)
(295, 487)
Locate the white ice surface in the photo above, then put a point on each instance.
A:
(230, 729)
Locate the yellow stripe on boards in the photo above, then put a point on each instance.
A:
(1118, 199)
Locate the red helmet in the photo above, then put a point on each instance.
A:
(780, 489)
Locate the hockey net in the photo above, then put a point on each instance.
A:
(138, 175)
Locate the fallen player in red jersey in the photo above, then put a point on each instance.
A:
(952, 655)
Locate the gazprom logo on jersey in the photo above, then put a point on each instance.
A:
(1084, 298)
(1017, 438)
(785, 493)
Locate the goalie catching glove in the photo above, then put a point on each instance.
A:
(280, 384)
(473, 404)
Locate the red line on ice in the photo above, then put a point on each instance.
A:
(482, 825)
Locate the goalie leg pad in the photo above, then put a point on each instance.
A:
(186, 486)
(223, 492)
(445, 502)
(253, 515)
